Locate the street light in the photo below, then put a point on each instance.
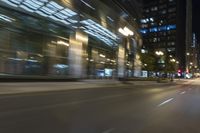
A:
(173, 60)
(159, 53)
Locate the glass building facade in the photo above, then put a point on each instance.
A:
(65, 39)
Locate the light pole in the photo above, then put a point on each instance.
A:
(159, 54)
(173, 68)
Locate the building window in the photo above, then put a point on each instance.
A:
(144, 25)
(172, 15)
(172, 3)
(155, 39)
(162, 1)
(172, 9)
(171, 27)
(162, 6)
(144, 21)
(163, 12)
(155, 29)
(170, 49)
(162, 28)
(147, 10)
(170, 43)
(143, 31)
(155, 8)
(153, 24)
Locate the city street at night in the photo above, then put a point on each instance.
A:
(127, 108)
(99, 66)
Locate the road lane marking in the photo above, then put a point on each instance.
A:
(167, 101)
(109, 130)
(182, 92)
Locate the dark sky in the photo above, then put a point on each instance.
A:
(196, 18)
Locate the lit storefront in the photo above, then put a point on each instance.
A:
(64, 39)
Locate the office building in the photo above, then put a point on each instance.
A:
(163, 30)
(67, 39)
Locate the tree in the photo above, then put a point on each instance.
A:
(170, 67)
(149, 61)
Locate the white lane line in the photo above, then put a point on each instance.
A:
(182, 92)
(108, 130)
(167, 101)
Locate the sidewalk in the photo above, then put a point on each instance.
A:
(28, 87)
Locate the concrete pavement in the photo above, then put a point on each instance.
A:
(28, 87)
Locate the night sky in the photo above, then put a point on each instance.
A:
(196, 18)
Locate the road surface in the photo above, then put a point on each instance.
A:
(128, 109)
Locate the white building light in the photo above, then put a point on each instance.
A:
(151, 19)
(126, 31)
(159, 53)
(100, 32)
(173, 60)
(101, 55)
(63, 43)
(6, 18)
(45, 8)
(123, 32)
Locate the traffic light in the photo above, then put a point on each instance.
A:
(179, 70)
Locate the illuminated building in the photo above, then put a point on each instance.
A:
(163, 29)
(66, 39)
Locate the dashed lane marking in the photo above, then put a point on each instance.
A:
(182, 92)
(165, 102)
(108, 130)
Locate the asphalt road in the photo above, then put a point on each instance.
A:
(151, 109)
